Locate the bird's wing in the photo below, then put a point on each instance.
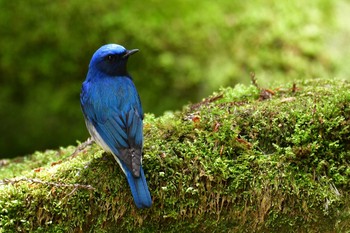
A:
(120, 131)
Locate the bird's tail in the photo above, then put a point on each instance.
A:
(139, 189)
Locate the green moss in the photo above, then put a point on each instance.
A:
(244, 159)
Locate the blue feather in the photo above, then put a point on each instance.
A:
(139, 189)
(113, 115)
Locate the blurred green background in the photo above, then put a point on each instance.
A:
(187, 50)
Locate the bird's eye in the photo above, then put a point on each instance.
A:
(109, 57)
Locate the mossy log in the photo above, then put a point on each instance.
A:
(244, 159)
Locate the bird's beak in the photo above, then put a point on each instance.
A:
(130, 52)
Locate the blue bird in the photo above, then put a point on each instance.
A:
(113, 115)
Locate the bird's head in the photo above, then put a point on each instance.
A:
(111, 59)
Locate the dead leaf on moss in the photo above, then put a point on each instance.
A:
(55, 163)
(288, 99)
(244, 142)
(39, 169)
(216, 126)
(266, 94)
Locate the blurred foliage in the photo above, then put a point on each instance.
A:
(188, 49)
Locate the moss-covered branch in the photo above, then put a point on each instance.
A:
(243, 159)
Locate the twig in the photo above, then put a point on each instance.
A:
(82, 146)
(206, 101)
(69, 194)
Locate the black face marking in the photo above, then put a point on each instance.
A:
(113, 63)
(114, 57)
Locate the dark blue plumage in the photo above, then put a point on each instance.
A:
(113, 115)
